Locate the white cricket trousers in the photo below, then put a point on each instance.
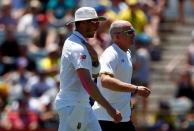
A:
(91, 122)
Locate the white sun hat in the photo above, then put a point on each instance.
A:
(86, 13)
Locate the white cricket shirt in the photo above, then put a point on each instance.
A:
(117, 62)
(74, 56)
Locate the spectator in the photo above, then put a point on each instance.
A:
(181, 10)
(190, 51)
(4, 94)
(114, 9)
(48, 117)
(188, 123)
(28, 24)
(142, 66)
(6, 17)
(18, 8)
(50, 64)
(21, 118)
(135, 15)
(39, 84)
(18, 79)
(185, 87)
(154, 9)
(42, 37)
(164, 119)
(58, 10)
(9, 50)
(10, 46)
(184, 95)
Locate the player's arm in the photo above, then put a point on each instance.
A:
(93, 91)
(108, 81)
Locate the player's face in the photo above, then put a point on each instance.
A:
(127, 37)
(91, 27)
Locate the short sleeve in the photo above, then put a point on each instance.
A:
(108, 62)
(80, 57)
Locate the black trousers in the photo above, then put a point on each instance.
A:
(111, 126)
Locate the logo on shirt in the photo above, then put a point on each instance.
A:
(122, 60)
(82, 57)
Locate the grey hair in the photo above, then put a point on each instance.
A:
(118, 26)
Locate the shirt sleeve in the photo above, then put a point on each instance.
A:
(80, 57)
(108, 63)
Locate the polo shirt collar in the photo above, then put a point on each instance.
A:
(118, 48)
(80, 36)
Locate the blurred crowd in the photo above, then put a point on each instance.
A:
(32, 33)
(181, 108)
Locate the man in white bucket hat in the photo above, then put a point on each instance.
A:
(77, 62)
(86, 13)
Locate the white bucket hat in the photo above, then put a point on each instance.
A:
(86, 13)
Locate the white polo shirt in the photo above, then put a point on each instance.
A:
(117, 62)
(74, 56)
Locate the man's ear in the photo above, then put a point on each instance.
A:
(116, 37)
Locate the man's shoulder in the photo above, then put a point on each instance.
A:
(109, 52)
(110, 48)
(72, 43)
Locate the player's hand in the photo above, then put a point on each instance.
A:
(143, 91)
(115, 114)
(117, 118)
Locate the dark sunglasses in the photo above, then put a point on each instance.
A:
(94, 21)
(129, 32)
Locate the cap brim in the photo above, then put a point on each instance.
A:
(100, 18)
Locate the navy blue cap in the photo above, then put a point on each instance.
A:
(100, 8)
